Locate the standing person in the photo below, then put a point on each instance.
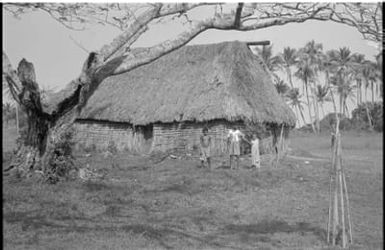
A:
(255, 158)
(205, 143)
(234, 141)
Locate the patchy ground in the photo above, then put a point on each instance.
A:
(174, 204)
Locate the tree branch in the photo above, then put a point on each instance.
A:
(158, 10)
(11, 77)
(150, 54)
(237, 19)
(113, 58)
(223, 22)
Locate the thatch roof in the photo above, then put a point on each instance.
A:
(193, 83)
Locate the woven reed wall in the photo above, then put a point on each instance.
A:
(181, 137)
(101, 134)
(185, 136)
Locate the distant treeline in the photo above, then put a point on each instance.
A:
(367, 116)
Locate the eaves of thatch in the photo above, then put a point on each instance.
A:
(193, 83)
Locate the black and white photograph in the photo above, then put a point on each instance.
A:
(192, 125)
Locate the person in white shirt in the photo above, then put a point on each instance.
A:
(234, 143)
(205, 143)
(255, 158)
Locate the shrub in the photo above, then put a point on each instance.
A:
(61, 161)
(360, 117)
(328, 122)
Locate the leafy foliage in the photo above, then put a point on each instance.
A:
(329, 121)
(61, 162)
(360, 117)
(281, 87)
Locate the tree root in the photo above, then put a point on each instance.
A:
(25, 160)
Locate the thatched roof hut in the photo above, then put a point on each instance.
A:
(174, 96)
(193, 83)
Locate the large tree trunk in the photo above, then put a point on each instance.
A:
(36, 147)
(48, 126)
(32, 147)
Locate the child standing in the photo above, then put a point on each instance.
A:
(255, 158)
(205, 143)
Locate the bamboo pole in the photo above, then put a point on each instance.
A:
(342, 212)
(335, 207)
(348, 207)
(346, 194)
(335, 213)
(332, 167)
(329, 211)
(339, 173)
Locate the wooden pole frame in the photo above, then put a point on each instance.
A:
(339, 207)
(348, 209)
(337, 185)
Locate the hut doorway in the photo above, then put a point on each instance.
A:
(148, 135)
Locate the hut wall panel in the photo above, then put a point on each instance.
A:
(165, 136)
(101, 134)
(185, 136)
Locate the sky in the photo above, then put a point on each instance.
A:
(58, 59)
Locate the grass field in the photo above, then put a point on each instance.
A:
(175, 204)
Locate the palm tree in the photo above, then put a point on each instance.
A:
(370, 76)
(378, 67)
(281, 87)
(271, 62)
(312, 52)
(295, 101)
(358, 61)
(342, 63)
(288, 59)
(344, 89)
(327, 66)
(306, 73)
(321, 93)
